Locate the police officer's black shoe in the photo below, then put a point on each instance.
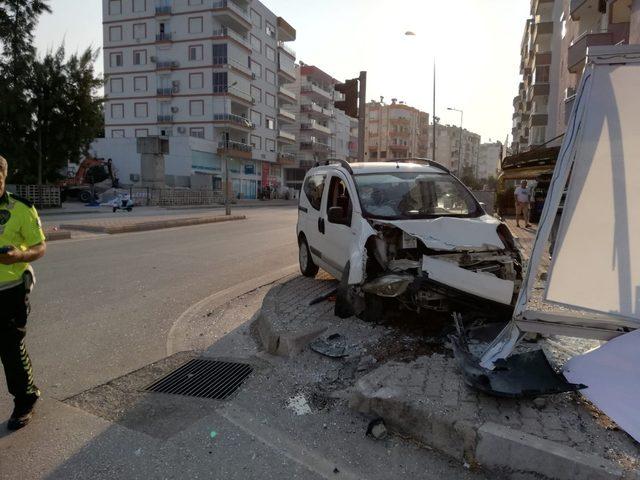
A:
(22, 412)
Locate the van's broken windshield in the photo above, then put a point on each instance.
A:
(409, 195)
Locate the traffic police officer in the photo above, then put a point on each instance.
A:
(21, 241)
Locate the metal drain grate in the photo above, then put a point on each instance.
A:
(204, 378)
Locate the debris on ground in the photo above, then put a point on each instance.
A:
(331, 296)
(298, 403)
(377, 429)
(333, 346)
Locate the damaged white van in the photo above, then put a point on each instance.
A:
(408, 231)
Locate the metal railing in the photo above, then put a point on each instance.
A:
(231, 145)
(164, 65)
(233, 118)
(165, 91)
(163, 37)
(165, 118)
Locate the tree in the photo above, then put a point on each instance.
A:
(469, 179)
(48, 106)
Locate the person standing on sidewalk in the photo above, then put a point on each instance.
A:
(523, 199)
(21, 241)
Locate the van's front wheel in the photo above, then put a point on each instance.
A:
(307, 266)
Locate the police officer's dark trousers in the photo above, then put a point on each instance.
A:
(14, 310)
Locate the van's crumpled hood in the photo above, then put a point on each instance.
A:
(453, 234)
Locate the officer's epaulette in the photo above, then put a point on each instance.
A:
(20, 199)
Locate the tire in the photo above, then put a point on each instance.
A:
(307, 267)
(85, 196)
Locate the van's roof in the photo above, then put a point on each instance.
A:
(386, 167)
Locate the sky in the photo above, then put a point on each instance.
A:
(475, 44)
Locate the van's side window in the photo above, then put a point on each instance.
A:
(313, 189)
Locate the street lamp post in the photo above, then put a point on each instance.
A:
(461, 112)
(227, 203)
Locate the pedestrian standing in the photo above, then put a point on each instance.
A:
(21, 241)
(522, 196)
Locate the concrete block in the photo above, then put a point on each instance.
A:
(501, 447)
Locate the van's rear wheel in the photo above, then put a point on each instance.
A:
(307, 266)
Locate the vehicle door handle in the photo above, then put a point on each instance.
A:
(321, 225)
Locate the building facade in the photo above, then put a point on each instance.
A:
(448, 147)
(321, 131)
(489, 160)
(553, 54)
(208, 70)
(395, 131)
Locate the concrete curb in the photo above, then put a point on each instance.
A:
(279, 341)
(150, 225)
(495, 447)
(57, 235)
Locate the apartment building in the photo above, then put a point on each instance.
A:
(321, 131)
(448, 147)
(207, 74)
(394, 131)
(489, 159)
(553, 51)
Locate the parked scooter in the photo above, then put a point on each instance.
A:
(122, 202)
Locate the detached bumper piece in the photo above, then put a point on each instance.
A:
(523, 375)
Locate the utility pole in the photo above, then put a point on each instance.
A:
(433, 140)
(362, 115)
(227, 203)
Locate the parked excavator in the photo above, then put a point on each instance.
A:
(93, 177)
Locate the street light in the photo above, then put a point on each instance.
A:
(227, 203)
(461, 112)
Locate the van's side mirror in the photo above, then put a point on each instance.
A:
(336, 215)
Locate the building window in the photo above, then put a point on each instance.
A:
(256, 68)
(117, 133)
(270, 123)
(195, 53)
(115, 7)
(115, 34)
(256, 94)
(270, 53)
(140, 84)
(270, 145)
(139, 31)
(197, 132)
(142, 132)
(115, 59)
(141, 110)
(139, 57)
(196, 108)
(256, 117)
(270, 30)
(139, 5)
(219, 82)
(195, 25)
(256, 142)
(256, 18)
(196, 81)
(117, 85)
(270, 100)
(117, 110)
(270, 76)
(220, 54)
(256, 44)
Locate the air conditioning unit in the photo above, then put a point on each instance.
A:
(182, 130)
(175, 109)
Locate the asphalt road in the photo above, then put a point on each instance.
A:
(103, 306)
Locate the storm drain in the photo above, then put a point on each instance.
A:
(204, 378)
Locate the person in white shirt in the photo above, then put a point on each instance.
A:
(523, 198)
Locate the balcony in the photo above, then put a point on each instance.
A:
(163, 11)
(313, 125)
(313, 109)
(315, 146)
(285, 158)
(286, 49)
(286, 137)
(165, 91)
(538, 119)
(235, 149)
(235, 93)
(285, 74)
(167, 65)
(165, 118)
(287, 96)
(311, 89)
(223, 33)
(233, 121)
(541, 31)
(164, 38)
(230, 14)
(578, 8)
(285, 31)
(578, 49)
(231, 62)
(285, 116)
(537, 5)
